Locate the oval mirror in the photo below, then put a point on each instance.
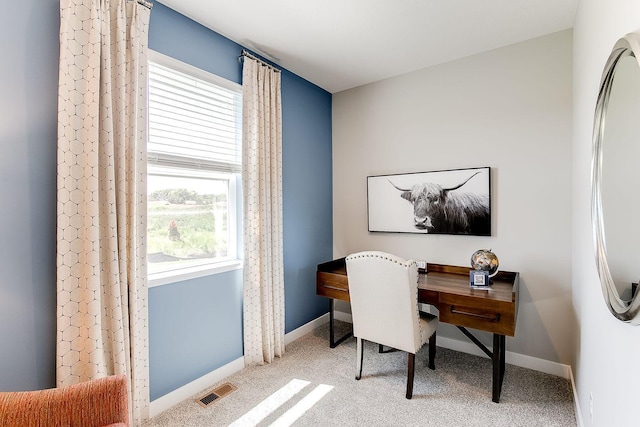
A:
(615, 204)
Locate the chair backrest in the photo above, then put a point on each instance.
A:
(383, 290)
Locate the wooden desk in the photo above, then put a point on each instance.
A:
(447, 288)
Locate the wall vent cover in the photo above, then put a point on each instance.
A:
(215, 395)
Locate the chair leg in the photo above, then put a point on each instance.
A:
(411, 359)
(432, 351)
(359, 356)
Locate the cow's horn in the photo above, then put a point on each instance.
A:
(396, 187)
(463, 183)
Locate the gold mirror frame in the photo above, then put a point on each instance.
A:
(624, 310)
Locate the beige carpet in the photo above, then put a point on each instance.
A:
(457, 393)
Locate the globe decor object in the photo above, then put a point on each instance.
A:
(485, 260)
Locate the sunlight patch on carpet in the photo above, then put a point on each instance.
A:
(270, 404)
(289, 417)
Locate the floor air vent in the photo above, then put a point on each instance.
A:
(215, 395)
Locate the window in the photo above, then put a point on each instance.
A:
(194, 165)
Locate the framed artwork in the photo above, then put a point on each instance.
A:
(454, 201)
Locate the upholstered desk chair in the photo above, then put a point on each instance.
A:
(384, 306)
(99, 402)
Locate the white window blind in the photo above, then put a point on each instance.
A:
(193, 122)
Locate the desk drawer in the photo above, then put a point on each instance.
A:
(484, 315)
(332, 285)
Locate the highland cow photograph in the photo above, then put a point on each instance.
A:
(456, 201)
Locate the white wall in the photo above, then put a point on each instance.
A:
(509, 109)
(606, 350)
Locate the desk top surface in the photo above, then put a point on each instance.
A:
(451, 280)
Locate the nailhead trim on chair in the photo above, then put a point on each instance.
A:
(404, 263)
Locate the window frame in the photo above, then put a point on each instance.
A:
(234, 200)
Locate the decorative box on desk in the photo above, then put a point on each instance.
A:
(479, 279)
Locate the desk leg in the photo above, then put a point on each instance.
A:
(499, 344)
(332, 342)
(503, 347)
(497, 357)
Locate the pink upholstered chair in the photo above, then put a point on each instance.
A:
(383, 290)
(99, 402)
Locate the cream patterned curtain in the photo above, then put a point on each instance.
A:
(262, 197)
(101, 265)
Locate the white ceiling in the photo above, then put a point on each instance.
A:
(341, 44)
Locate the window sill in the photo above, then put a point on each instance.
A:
(159, 279)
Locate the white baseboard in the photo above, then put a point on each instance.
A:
(165, 402)
(305, 329)
(576, 402)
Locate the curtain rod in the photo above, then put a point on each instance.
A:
(248, 55)
(144, 3)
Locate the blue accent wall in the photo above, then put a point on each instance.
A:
(194, 326)
(307, 195)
